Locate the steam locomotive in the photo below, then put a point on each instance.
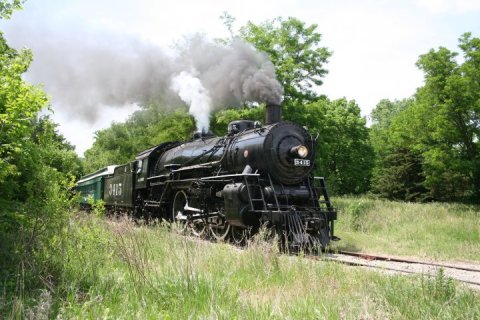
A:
(256, 175)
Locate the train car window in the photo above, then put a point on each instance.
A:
(139, 166)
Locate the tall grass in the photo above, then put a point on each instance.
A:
(431, 230)
(129, 270)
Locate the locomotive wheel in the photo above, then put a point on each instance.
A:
(179, 218)
(239, 235)
(197, 227)
(219, 228)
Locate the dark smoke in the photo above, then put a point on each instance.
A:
(233, 74)
(84, 71)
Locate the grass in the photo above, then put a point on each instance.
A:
(434, 230)
(122, 270)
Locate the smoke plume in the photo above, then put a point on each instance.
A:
(224, 76)
(85, 72)
(233, 74)
(191, 91)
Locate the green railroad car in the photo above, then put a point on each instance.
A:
(119, 187)
(91, 186)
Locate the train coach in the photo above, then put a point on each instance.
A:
(91, 186)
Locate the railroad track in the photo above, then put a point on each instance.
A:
(462, 273)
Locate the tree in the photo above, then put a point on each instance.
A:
(385, 111)
(145, 128)
(8, 6)
(36, 172)
(398, 170)
(450, 103)
(19, 103)
(345, 155)
(222, 118)
(294, 49)
(433, 139)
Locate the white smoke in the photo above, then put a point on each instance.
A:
(191, 90)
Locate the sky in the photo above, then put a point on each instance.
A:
(375, 44)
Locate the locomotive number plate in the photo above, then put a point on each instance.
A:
(301, 162)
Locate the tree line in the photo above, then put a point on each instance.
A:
(427, 146)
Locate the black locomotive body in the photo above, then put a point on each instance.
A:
(254, 176)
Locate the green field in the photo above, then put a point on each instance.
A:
(122, 270)
(434, 230)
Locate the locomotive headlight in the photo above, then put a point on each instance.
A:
(300, 151)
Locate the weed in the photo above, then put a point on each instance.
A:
(357, 212)
(441, 288)
(97, 207)
(42, 309)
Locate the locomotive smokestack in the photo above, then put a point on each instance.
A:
(273, 113)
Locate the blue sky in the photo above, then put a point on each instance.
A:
(375, 43)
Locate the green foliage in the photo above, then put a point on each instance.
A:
(399, 176)
(356, 212)
(451, 98)
(440, 288)
(8, 6)
(19, 104)
(222, 118)
(437, 298)
(344, 151)
(428, 147)
(78, 258)
(37, 169)
(228, 21)
(145, 128)
(98, 207)
(386, 110)
(295, 51)
(34, 205)
(344, 155)
(398, 166)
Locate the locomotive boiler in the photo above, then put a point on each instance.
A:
(256, 175)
